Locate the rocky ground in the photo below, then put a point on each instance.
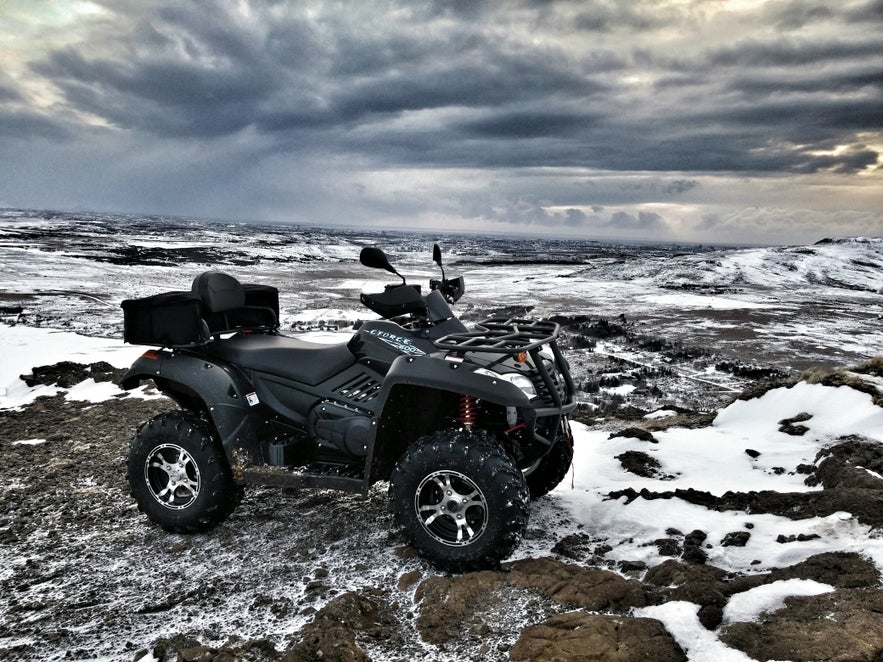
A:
(323, 575)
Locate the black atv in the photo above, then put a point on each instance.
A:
(466, 425)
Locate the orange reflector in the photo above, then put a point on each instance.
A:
(522, 357)
(151, 354)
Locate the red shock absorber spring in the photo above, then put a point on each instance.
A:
(467, 411)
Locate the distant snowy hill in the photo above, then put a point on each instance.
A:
(854, 264)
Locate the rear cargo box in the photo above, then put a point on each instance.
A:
(170, 319)
(262, 296)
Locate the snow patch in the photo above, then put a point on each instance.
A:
(24, 348)
(748, 606)
(681, 619)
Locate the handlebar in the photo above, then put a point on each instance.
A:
(403, 299)
(451, 289)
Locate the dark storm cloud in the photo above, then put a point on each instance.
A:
(201, 77)
(9, 93)
(763, 84)
(796, 14)
(161, 92)
(457, 84)
(529, 125)
(19, 121)
(870, 12)
(604, 16)
(22, 125)
(793, 15)
(649, 221)
(680, 186)
(167, 98)
(791, 52)
(187, 72)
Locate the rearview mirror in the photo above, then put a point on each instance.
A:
(376, 259)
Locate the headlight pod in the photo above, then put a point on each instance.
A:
(519, 381)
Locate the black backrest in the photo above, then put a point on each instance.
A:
(228, 305)
(218, 291)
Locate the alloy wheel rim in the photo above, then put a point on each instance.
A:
(172, 476)
(451, 508)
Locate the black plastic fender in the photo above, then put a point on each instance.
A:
(194, 382)
(456, 376)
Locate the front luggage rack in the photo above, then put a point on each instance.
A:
(502, 335)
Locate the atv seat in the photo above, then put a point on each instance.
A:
(226, 306)
(302, 361)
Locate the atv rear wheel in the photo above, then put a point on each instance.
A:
(460, 499)
(544, 475)
(178, 476)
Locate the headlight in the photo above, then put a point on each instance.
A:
(519, 381)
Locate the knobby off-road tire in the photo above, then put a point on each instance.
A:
(461, 500)
(179, 476)
(545, 475)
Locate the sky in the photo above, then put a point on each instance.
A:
(745, 121)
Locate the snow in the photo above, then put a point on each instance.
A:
(749, 606)
(662, 413)
(24, 348)
(701, 645)
(700, 301)
(714, 460)
(681, 619)
(835, 412)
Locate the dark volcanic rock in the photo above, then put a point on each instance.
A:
(800, 537)
(865, 504)
(693, 551)
(186, 649)
(700, 584)
(574, 586)
(449, 605)
(843, 625)
(580, 636)
(642, 464)
(840, 569)
(668, 546)
(848, 463)
(332, 633)
(671, 574)
(576, 546)
(792, 425)
(635, 433)
(66, 374)
(736, 539)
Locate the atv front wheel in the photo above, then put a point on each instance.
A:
(460, 499)
(178, 476)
